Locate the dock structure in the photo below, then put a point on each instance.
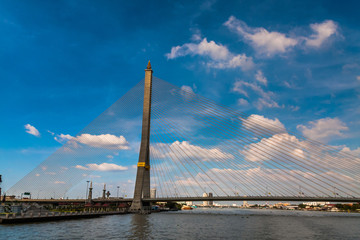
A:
(53, 216)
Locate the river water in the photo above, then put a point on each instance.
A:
(198, 224)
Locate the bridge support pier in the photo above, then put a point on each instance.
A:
(142, 184)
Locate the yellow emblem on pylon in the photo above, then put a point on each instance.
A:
(141, 164)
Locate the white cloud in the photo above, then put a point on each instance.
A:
(104, 167)
(358, 78)
(239, 87)
(188, 151)
(322, 32)
(355, 152)
(266, 97)
(99, 141)
(32, 130)
(263, 41)
(187, 89)
(199, 152)
(204, 48)
(187, 92)
(103, 141)
(269, 148)
(323, 129)
(220, 56)
(259, 76)
(266, 102)
(254, 122)
(271, 43)
(242, 102)
(63, 138)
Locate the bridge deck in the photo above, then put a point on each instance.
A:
(194, 199)
(256, 198)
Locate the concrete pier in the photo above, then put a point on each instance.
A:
(55, 216)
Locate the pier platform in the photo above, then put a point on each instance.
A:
(52, 216)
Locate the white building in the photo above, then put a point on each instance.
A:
(316, 203)
(153, 193)
(205, 203)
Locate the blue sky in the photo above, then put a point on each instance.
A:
(63, 63)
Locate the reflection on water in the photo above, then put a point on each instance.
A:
(140, 227)
(197, 224)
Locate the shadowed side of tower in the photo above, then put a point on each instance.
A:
(142, 184)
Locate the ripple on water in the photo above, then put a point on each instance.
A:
(198, 224)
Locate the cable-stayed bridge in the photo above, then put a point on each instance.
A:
(190, 145)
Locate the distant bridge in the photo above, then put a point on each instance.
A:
(198, 199)
(196, 150)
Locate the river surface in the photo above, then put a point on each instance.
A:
(198, 224)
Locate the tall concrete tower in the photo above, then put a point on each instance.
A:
(142, 184)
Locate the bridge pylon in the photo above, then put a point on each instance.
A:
(142, 184)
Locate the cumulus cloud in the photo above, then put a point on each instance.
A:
(103, 167)
(188, 150)
(108, 141)
(32, 130)
(355, 152)
(270, 148)
(63, 138)
(263, 41)
(219, 55)
(265, 99)
(322, 31)
(199, 152)
(254, 122)
(278, 182)
(103, 141)
(323, 129)
(271, 43)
